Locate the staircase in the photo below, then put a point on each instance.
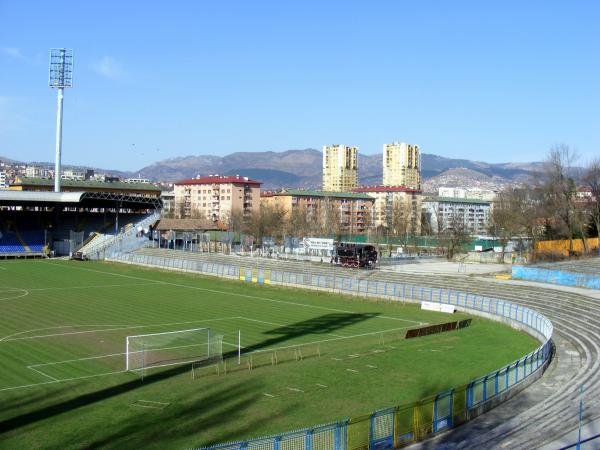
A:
(103, 245)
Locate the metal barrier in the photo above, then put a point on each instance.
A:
(583, 444)
(391, 427)
(320, 437)
(123, 242)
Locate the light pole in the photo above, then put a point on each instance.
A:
(60, 77)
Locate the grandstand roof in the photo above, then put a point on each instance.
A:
(86, 185)
(82, 199)
(220, 179)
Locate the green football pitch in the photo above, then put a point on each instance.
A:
(307, 357)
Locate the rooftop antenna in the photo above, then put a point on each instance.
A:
(60, 77)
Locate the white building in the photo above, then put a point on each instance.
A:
(168, 199)
(72, 175)
(2, 179)
(475, 193)
(137, 180)
(448, 213)
(37, 172)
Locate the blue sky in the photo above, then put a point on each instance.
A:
(491, 81)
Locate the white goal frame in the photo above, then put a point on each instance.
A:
(127, 348)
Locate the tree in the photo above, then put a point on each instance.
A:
(332, 221)
(454, 235)
(266, 221)
(591, 179)
(559, 191)
(180, 210)
(400, 222)
(299, 222)
(504, 221)
(516, 214)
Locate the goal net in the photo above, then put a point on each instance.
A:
(174, 347)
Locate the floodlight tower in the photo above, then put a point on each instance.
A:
(61, 76)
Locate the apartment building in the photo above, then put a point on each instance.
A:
(339, 168)
(3, 181)
(168, 198)
(402, 165)
(353, 211)
(446, 213)
(476, 193)
(38, 172)
(216, 197)
(397, 208)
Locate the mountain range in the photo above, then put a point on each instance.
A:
(303, 169)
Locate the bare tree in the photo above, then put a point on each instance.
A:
(454, 234)
(559, 191)
(591, 179)
(334, 220)
(299, 222)
(504, 223)
(266, 221)
(180, 210)
(400, 223)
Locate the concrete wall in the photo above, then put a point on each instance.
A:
(556, 277)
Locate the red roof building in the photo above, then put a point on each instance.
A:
(216, 197)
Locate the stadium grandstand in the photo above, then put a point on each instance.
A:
(86, 219)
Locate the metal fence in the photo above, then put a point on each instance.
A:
(396, 426)
(125, 241)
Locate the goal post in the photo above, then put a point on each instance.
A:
(170, 348)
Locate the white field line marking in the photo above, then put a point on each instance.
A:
(285, 326)
(152, 401)
(321, 385)
(119, 327)
(352, 370)
(326, 340)
(268, 395)
(42, 373)
(28, 291)
(61, 380)
(139, 405)
(92, 287)
(25, 292)
(215, 291)
(75, 360)
(295, 389)
(87, 358)
(226, 343)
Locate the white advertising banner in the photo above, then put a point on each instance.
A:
(317, 244)
(441, 307)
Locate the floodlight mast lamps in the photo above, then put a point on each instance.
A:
(61, 76)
